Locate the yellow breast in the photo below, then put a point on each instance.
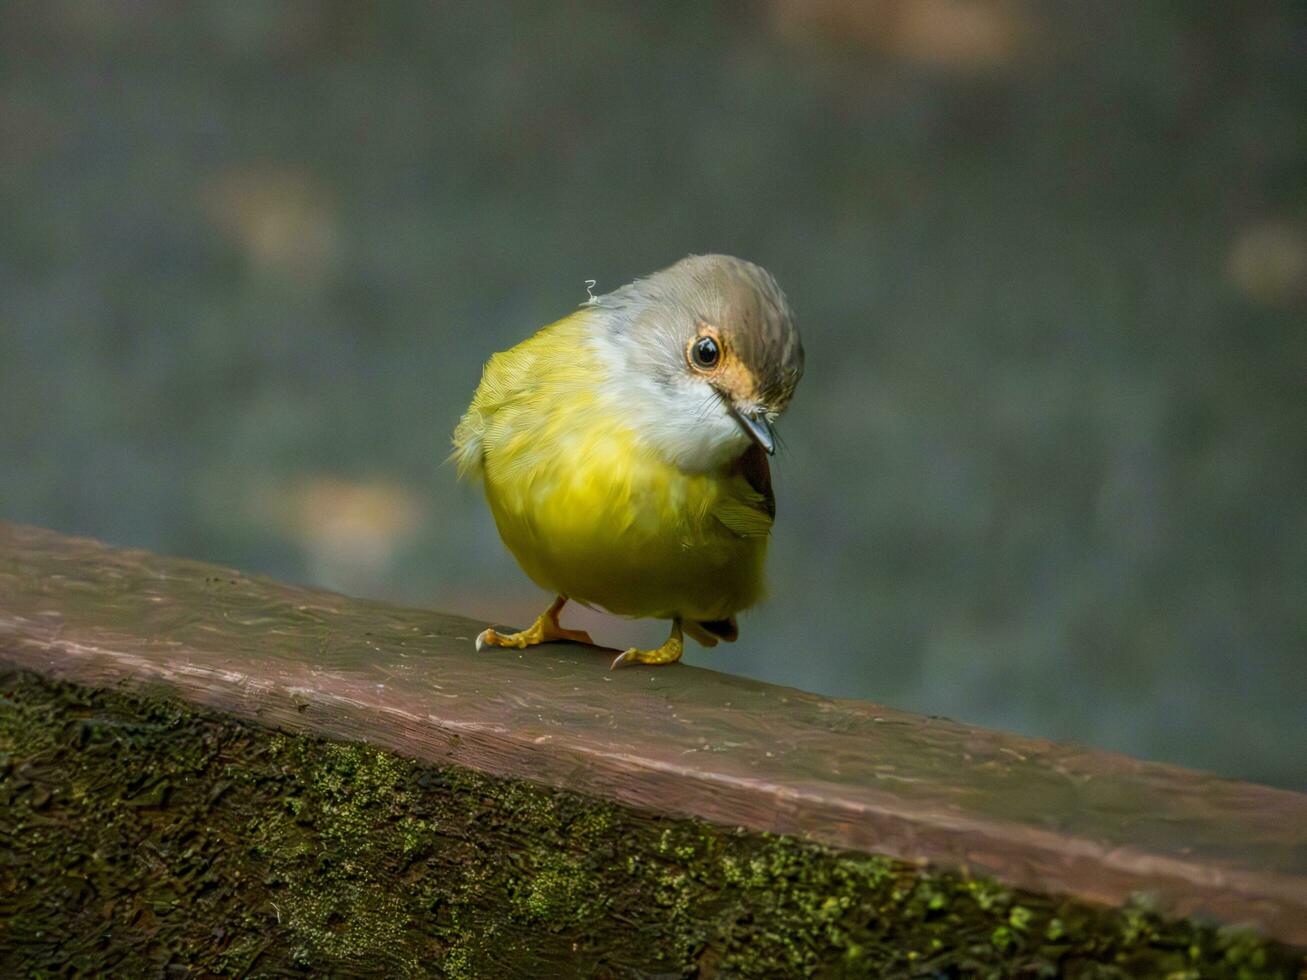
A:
(591, 512)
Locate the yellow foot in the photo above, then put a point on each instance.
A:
(544, 630)
(668, 653)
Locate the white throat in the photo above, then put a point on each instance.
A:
(687, 424)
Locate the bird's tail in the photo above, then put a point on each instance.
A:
(709, 631)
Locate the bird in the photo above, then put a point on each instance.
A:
(624, 450)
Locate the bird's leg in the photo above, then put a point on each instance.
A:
(668, 653)
(544, 630)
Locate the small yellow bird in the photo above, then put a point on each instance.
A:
(624, 450)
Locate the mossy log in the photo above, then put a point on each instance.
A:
(147, 838)
(203, 774)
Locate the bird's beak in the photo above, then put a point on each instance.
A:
(756, 426)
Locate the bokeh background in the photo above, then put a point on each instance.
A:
(1046, 471)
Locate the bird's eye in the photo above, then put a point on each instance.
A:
(705, 353)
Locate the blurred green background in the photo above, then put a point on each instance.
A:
(1045, 472)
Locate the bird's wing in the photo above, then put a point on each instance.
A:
(751, 506)
(510, 378)
(505, 378)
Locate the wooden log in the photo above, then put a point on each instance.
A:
(682, 741)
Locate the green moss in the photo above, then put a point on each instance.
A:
(145, 836)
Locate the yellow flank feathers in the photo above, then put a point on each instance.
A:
(587, 507)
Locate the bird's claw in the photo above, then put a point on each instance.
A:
(544, 631)
(668, 653)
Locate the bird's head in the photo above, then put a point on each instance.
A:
(702, 358)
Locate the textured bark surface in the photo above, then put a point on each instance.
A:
(145, 838)
(683, 741)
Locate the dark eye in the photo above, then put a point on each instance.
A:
(705, 353)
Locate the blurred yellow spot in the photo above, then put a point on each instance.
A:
(282, 219)
(1268, 263)
(959, 35)
(350, 531)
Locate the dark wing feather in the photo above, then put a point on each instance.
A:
(755, 469)
(748, 510)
